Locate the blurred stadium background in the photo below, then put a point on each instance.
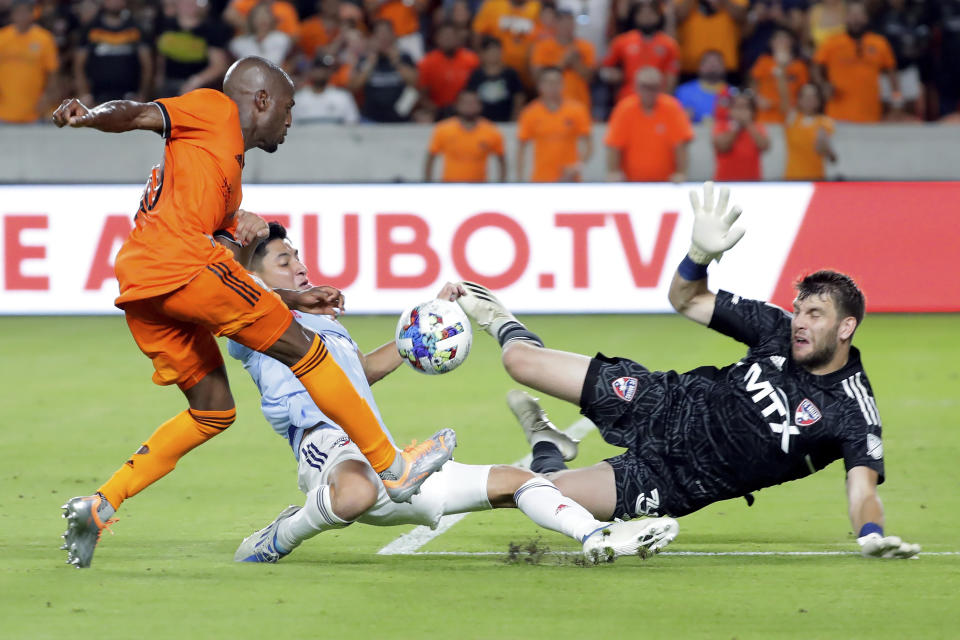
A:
(791, 100)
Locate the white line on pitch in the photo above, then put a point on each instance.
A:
(682, 553)
(408, 543)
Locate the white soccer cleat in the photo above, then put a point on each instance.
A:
(262, 545)
(484, 309)
(875, 545)
(537, 426)
(633, 537)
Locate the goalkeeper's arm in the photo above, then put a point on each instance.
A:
(866, 516)
(713, 233)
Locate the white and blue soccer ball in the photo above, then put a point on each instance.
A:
(434, 337)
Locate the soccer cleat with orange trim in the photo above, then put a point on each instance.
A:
(419, 461)
(84, 528)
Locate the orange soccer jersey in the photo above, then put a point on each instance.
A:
(765, 81)
(699, 33)
(853, 69)
(513, 25)
(632, 51)
(803, 161)
(192, 193)
(555, 136)
(465, 151)
(401, 15)
(648, 140)
(550, 53)
(25, 61)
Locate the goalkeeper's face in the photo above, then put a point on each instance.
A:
(815, 331)
(280, 266)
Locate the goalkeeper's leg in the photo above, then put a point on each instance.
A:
(558, 373)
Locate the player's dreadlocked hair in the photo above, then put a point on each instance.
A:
(840, 287)
(277, 232)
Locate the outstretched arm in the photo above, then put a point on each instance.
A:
(116, 116)
(866, 516)
(713, 233)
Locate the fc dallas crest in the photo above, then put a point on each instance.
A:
(807, 413)
(625, 387)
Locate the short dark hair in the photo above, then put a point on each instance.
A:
(490, 41)
(277, 232)
(840, 287)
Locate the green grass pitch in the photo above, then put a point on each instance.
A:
(77, 399)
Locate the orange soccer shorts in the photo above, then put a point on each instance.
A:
(176, 330)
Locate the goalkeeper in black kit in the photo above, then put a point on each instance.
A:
(798, 400)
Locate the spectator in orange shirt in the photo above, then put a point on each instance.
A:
(288, 20)
(648, 134)
(512, 22)
(646, 46)
(404, 15)
(444, 72)
(766, 72)
(807, 134)
(574, 56)
(709, 24)
(739, 141)
(466, 141)
(28, 60)
(321, 30)
(559, 129)
(848, 68)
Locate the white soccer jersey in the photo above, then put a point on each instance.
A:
(285, 402)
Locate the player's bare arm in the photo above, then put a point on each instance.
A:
(116, 116)
(866, 516)
(322, 300)
(713, 234)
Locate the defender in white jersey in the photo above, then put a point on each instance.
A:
(341, 486)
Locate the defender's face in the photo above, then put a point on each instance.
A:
(814, 331)
(281, 267)
(278, 120)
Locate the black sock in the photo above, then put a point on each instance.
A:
(516, 331)
(546, 458)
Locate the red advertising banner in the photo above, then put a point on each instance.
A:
(547, 248)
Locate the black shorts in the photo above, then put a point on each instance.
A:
(644, 412)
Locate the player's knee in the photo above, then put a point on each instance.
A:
(352, 491)
(503, 482)
(519, 359)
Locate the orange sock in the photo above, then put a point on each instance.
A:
(335, 395)
(159, 455)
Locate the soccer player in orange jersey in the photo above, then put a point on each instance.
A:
(179, 288)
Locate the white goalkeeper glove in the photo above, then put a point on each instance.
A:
(875, 545)
(713, 230)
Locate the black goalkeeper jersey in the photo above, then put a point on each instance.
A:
(766, 420)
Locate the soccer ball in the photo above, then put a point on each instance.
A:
(434, 337)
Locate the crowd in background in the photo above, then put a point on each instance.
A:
(646, 67)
